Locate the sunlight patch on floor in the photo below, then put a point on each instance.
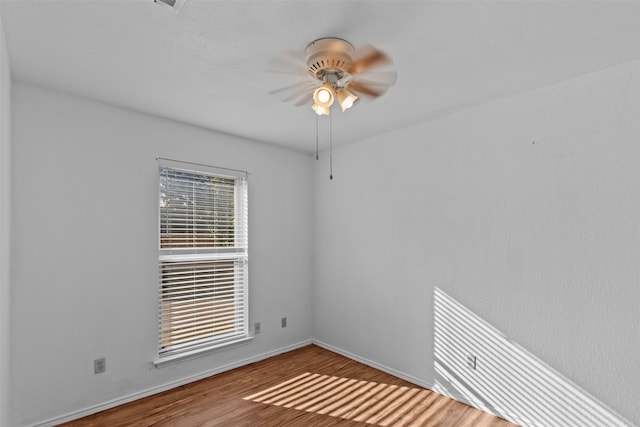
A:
(364, 401)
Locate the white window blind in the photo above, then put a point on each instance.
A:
(203, 291)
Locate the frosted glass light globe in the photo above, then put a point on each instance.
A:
(324, 96)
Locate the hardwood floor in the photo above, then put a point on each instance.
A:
(308, 387)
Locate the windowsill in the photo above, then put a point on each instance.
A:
(176, 358)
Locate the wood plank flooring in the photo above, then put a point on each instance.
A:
(308, 387)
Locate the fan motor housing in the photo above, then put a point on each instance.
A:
(329, 58)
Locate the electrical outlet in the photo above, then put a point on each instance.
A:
(99, 365)
(257, 328)
(471, 362)
(283, 322)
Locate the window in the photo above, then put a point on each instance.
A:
(203, 292)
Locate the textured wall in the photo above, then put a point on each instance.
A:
(477, 363)
(84, 249)
(524, 211)
(5, 227)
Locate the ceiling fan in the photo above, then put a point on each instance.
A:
(337, 72)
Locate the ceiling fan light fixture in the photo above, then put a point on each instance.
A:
(320, 110)
(345, 98)
(332, 63)
(323, 99)
(324, 95)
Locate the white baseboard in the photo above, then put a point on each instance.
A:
(399, 374)
(168, 386)
(375, 365)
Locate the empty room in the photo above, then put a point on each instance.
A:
(319, 213)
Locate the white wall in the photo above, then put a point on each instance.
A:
(5, 228)
(84, 259)
(538, 241)
(524, 211)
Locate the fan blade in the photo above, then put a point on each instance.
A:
(381, 78)
(301, 89)
(292, 63)
(305, 100)
(370, 59)
(365, 89)
(300, 92)
(294, 86)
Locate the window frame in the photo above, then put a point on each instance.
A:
(179, 256)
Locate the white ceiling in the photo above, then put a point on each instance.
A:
(207, 64)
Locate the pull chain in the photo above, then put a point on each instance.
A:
(330, 147)
(317, 157)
